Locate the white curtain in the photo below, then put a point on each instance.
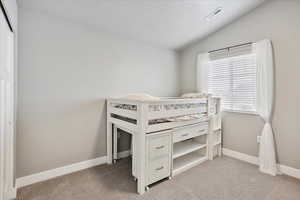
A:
(265, 96)
(202, 62)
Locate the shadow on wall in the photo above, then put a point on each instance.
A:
(125, 138)
(101, 136)
(63, 131)
(85, 118)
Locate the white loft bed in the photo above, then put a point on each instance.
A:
(142, 118)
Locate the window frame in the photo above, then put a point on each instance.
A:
(239, 111)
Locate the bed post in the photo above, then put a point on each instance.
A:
(140, 141)
(210, 129)
(108, 134)
(115, 142)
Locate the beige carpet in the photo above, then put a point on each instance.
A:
(222, 179)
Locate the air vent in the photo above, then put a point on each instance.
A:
(213, 14)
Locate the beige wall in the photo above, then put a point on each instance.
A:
(66, 70)
(280, 22)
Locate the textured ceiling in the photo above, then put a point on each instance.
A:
(170, 24)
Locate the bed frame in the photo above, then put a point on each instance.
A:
(141, 119)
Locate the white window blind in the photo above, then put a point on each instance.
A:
(234, 80)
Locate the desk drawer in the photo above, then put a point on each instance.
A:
(190, 132)
(159, 146)
(158, 169)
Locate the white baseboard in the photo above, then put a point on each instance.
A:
(240, 156)
(290, 171)
(49, 174)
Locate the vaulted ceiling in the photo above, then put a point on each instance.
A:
(169, 24)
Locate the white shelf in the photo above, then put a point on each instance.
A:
(217, 143)
(185, 147)
(188, 161)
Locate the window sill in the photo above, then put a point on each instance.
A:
(241, 112)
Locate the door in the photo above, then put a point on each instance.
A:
(6, 109)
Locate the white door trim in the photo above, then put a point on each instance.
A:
(7, 111)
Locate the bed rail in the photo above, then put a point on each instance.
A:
(125, 113)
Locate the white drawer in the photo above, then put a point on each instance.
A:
(190, 132)
(159, 146)
(158, 169)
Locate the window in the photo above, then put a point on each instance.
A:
(234, 80)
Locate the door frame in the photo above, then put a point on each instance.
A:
(7, 124)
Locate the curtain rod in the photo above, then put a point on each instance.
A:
(5, 15)
(231, 47)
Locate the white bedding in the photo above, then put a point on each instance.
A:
(194, 95)
(147, 97)
(141, 97)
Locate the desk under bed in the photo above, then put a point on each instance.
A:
(152, 123)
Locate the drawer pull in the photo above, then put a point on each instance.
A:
(160, 147)
(201, 130)
(183, 135)
(160, 168)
